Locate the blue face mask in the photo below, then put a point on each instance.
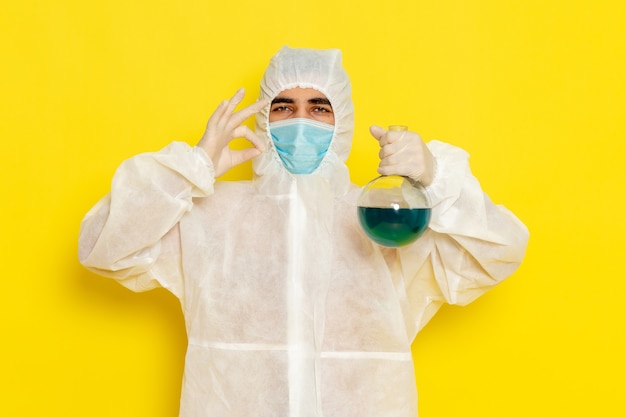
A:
(301, 143)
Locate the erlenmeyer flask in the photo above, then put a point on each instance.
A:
(394, 210)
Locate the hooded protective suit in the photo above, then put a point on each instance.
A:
(290, 309)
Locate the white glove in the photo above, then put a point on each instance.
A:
(404, 153)
(226, 125)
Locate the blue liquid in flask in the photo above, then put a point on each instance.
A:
(394, 227)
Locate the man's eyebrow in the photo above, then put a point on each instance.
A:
(282, 100)
(320, 100)
(315, 100)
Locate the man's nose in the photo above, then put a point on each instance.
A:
(302, 113)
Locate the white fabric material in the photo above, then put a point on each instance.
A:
(290, 309)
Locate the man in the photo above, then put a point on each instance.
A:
(290, 309)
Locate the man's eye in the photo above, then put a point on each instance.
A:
(322, 110)
(280, 108)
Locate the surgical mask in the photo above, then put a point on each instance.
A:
(301, 143)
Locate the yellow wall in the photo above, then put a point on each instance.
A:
(534, 90)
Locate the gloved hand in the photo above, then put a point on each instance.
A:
(404, 153)
(225, 125)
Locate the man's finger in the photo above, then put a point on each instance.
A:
(378, 132)
(243, 155)
(245, 132)
(236, 99)
(243, 114)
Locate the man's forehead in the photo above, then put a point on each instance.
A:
(299, 94)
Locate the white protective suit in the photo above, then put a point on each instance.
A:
(291, 311)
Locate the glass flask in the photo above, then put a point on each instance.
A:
(394, 210)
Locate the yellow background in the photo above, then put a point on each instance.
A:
(533, 89)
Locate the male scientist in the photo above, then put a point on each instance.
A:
(290, 309)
